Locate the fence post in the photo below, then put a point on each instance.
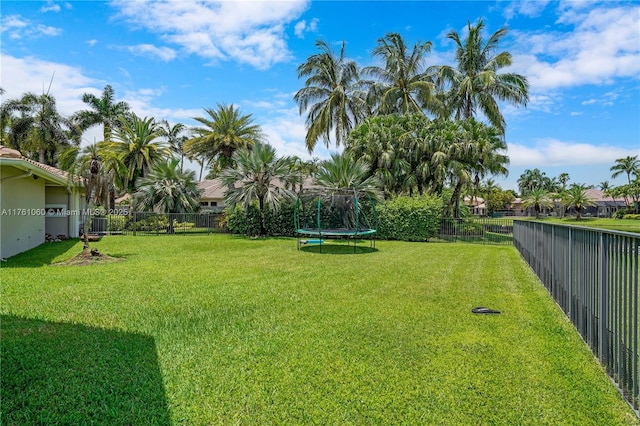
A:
(604, 314)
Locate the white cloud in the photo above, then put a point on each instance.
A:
(575, 113)
(18, 28)
(249, 32)
(92, 42)
(165, 54)
(552, 152)
(604, 44)
(50, 7)
(302, 27)
(530, 8)
(589, 102)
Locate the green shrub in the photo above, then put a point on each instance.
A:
(619, 214)
(631, 216)
(410, 218)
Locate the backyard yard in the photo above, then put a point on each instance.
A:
(218, 329)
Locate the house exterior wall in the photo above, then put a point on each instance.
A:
(22, 220)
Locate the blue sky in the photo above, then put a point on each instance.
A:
(171, 59)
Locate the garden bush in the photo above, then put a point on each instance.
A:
(631, 216)
(247, 221)
(410, 218)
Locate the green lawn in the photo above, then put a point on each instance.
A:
(625, 225)
(218, 329)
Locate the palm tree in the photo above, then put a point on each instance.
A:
(576, 196)
(175, 139)
(563, 178)
(136, 143)
(332, 97)
(260, 175)
(167, 189)
(342, 171)
(97, 178)
(224, 131)
(630, 166)
(38, 127)
(402, 86)
(103, 110)
(77, 161)
(538, 198)
(475, 83)
(530, 180)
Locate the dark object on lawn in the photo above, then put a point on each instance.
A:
(483, 310)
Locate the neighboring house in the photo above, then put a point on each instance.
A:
(605, 206)
(212, 195)
(213, 191)
(34, 200)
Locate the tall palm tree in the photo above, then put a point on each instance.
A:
(259, 175)
(37, 129)
(476, 83)
(224, 131)
(538, 198)
(103, 110)
(167, 189)
(137, 144)
(628, 165)
(332, 97)
(175, 138)
(530, 180)
(563, 178)
(576, 196)
(402, 86)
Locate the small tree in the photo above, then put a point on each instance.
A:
(576, 196)
(257, 173)
(167, 189)
(538, 198)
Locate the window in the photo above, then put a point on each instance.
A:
(204, 203)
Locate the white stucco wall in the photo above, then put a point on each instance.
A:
(22, 222)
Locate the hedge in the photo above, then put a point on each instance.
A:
(410, 218)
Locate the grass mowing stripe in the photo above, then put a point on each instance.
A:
(257, 332)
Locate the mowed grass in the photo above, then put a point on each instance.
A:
(624, 225)
(218, 329)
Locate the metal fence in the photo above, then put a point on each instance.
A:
(477, 230)
(158, 224)
(593, 276)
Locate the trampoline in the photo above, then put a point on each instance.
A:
(344, 214)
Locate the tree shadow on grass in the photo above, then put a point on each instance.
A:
(42, 255)
(62, 373)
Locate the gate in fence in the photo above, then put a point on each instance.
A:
(593, 276)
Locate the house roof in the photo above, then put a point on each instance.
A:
(599, 197)
(14, 158)
(212, 189)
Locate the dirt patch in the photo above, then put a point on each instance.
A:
(89, 257)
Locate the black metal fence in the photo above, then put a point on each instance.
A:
(158, 224)
(477, 230)
(593, 276)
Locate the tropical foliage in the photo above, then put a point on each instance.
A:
(103, 111)
(224, 131)
(332, 98)
(576, 197)
(259, 175)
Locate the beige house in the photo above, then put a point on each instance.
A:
(34, 200)
(212, 195)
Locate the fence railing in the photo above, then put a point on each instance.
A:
(593, 276)
(158, 224)
(477, 230)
